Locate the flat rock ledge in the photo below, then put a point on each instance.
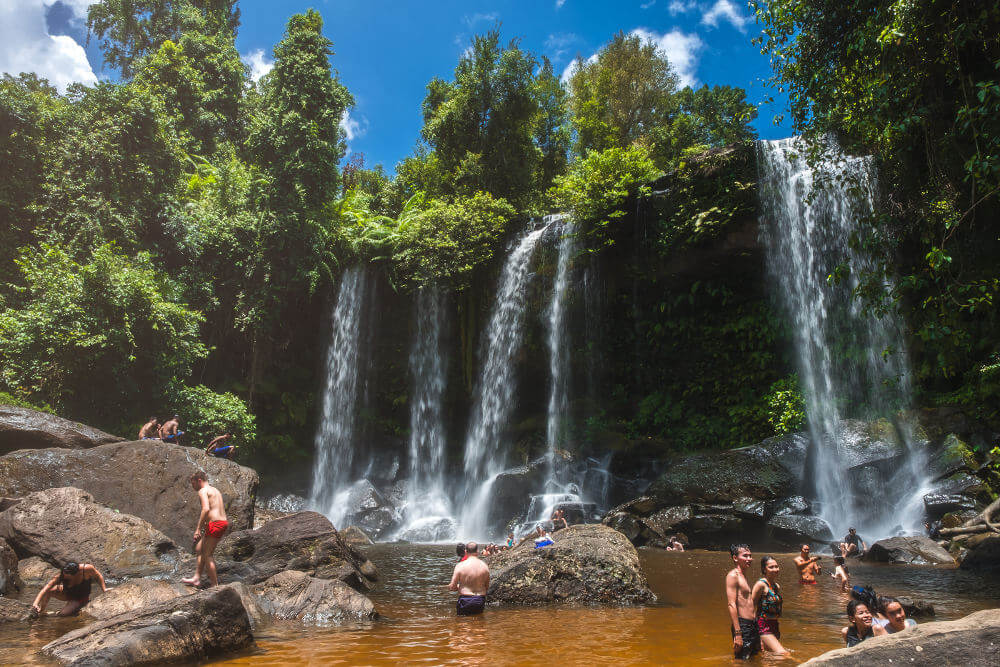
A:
(972, 641)
(588, 564)
(185, 629)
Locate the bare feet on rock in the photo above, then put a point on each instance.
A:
(191, 581)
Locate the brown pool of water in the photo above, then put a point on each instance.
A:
(688, 625)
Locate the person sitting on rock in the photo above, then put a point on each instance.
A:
(213, 519)
(808, 565)
(842, 574)
(542, 538)
(849, 547)
(673, 544)
(895, 616)
(219, 449)
(150, 430)
(862, 625)
(558, 517)
(169, 432)
(510, 540)
(72, 585)
(471, 578)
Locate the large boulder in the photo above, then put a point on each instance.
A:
(190, 628)
(970, 642)
(984, 554)
(719, 477)
(914, 550)
(65, 524)
(355, 537)
(427, 529)
(34, 571)
(294, 595)
(23, 428)
(13, 611)
(588, 564)
(10, 580)
(304, 541)
(790, 450)
(792, 531)
(135, 595)
(148, 479)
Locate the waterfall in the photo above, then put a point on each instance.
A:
(558, 352)
(851, 361)
(428, 510)
(335, 433)
(485, 456)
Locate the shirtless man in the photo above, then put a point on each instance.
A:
(746, 634)
(149, 430)
(558, 517)
(72, 586)
(219, 449)
(471, 579)
(169, 432)
(849, 547)
(213, 513)
(807, 565)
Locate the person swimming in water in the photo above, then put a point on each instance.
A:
(862, 626)
(766, 596)
(471, 578)
(808, 565)
(72, 585)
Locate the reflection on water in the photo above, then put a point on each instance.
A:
(688, 625)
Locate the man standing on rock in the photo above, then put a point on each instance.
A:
(746, 634)
(471, 579)
(807, 565)
(213, 513)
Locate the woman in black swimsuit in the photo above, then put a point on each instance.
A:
(72, 585)
(861, 627)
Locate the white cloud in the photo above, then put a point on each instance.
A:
(27, 46)
(647, 5)
(681, 7)
(560, 3)
(353, 127)
(681, 49)
(557, 45)
(725, 10)
(473, 19)
(572, 67)
(258, 63)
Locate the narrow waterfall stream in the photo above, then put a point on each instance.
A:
(485, 455)
(428, 509)
(852, 363)
(335, 446)
(557, 335)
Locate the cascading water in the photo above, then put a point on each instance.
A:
(485, 456)
(851, 362)
(558, 348)
(332, 473)
(428, 509)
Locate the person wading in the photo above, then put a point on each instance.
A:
(767, 601)
(213, 520)
(471, 579)
(72, 585)
(808, 565)
(746, 634)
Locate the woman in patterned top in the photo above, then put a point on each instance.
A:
(766, 596)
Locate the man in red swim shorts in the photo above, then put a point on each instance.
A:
(213, 519)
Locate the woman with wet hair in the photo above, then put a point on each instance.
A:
(72, 585)
(862, 626)
(767, 601)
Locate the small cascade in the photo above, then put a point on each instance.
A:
(852, 363)
(557, 336)
(332, 472)
(428, 510)
(485, 457)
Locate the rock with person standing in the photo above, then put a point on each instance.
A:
(294, 595)
(304, 541)
(591, 564)
(971, 642)
(65, 524)
(190, 628)
(913, 550)
(134, 594)
(24, 428)
(148, 479)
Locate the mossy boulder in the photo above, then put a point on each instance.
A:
(719, 477)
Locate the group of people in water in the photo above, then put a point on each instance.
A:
(755, 609)
(169, 431)
(74, 582)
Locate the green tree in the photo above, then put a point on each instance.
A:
(705, 118)
(553, 129)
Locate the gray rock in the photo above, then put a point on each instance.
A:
(914, 550)
(133, 595)
(148, 479)
(970, 642)
(587, 564)
(12, 611)
(950, 457)
(790, 450)
(718, 477)
(938, 504)
(748, 508)
(431, 529)
(984, 554)
(577, 512)
(296, 596)
(305, 541)
(355, 537)
(791, 505)
(23, 428)
(10, 580)
(34, 571)
(65, 524)
(793, 530)
(190, 628)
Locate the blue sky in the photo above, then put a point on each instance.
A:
(386, 52)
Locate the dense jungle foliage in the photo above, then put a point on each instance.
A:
(171, 241)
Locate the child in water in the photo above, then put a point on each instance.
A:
(842, 574)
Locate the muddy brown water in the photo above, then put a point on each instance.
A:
(688, 626)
